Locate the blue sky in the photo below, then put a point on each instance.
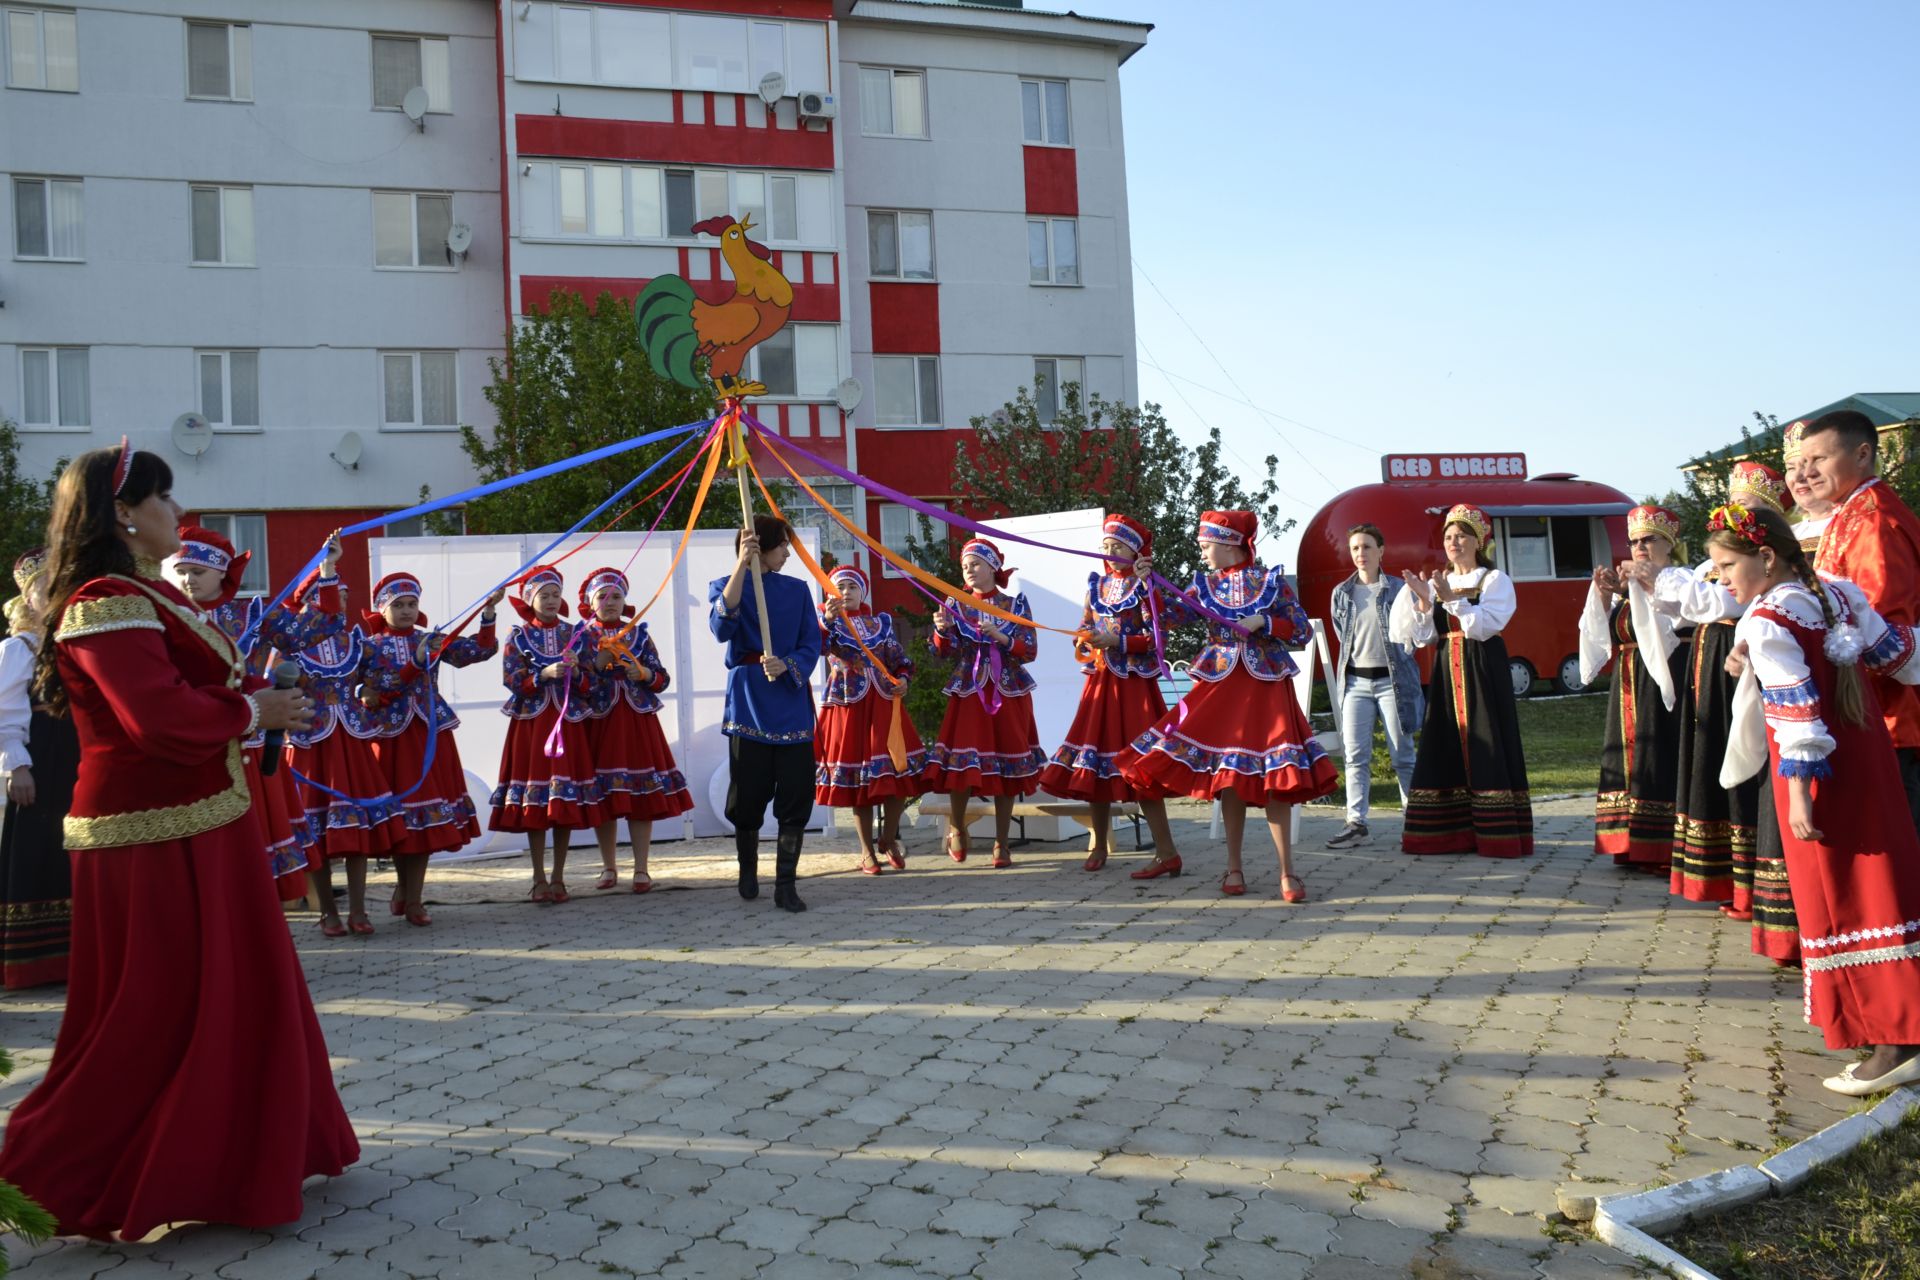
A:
(1604, 233)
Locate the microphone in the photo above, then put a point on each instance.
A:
(286, 675)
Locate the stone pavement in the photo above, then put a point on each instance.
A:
(1026, 1073)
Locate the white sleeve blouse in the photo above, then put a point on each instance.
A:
(16, 706)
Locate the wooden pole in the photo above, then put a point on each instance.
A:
(737, 436)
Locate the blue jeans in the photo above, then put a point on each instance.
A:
(1363, 701)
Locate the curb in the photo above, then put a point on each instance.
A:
(1628, 1222)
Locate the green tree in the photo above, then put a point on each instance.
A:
(25, 503)
(576, 378)
(1705, 485)
(19, 1215)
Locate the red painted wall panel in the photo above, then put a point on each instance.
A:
(1053, 181)
(660, 142)
(906, 318)
(817, 303)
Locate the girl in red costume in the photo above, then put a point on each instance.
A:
(189, 1081)
(1121, 699)
(1852, 856)
(633, 765)
(852, 739)
(209, 571)
(400, 690)
(1238, 736)
(545, 688)
(989, 743)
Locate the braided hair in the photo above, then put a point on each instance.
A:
(1849, 691)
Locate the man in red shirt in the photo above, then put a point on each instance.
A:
(1874, 540)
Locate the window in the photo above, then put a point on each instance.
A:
(635, 48)
(223, 226)
(417, 389)
(53, 388)
(804, 513)
(47, 219)
(1544, 547)
(893, 104)
(220, 61)
(579, 199)
(43, 50)
(712, 53)
(229, 389)
(906, 391)
(602, 44)
(1053, 250)
(902, 529)
(899, 245)
(1052, 375)
(401, 63)
(410, 230)
(1043, 112)
(246, 533)
(801, 360)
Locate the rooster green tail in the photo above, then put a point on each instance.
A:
(663, 313)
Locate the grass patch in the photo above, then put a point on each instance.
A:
(1856, 1219)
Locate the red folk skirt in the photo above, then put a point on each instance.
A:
(988, 755)
(1236, 734)
(344, 828)
(189, 1080)
(286, 858)
(439, 817)
(542, 793)
(853, 765)
(633, 766)
(1113, 711)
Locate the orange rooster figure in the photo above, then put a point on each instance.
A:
(677, 327)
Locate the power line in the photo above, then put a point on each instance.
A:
(1225, 395)
(1238, 456)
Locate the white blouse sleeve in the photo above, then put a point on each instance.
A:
(16, 708)
(1692, 597)
(1596, 633)
(1789, 697)
(1406, 624)
(1890, 649)
(1653, 632)
(1489, 617)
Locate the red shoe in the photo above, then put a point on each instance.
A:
(610, 880)
(560, 893)
(957, 854)
(1233, 890)
(1732, 912)
(895, 854)
(418, 916)
(362, 926)
(1157, 868)
(1001, 856)
(396, 906)
(869, 866)
(643, 883)
(1293, 895)
(1095, 860)
(541, 893)
(331, 927)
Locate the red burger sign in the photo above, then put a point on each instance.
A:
(1453, 466)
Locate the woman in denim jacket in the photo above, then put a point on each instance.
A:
(1373, 678)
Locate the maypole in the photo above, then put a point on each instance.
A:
(737, 442)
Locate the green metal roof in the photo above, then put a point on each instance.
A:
(1883, 409)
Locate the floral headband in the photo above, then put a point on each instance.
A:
(1739, 520)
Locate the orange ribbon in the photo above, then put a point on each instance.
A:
(616, 643)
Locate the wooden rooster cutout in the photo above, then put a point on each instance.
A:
(677, 327)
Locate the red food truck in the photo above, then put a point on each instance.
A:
(1549, 533)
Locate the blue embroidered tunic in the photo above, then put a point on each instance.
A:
(850, 674)
(1241, 592)
(972, 650)
(616, 683)
(757, 708)
(531, 649)
(288, 631)
(1118, 604)
(403, 690)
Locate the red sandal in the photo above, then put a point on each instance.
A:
(1001, 856)
(1293, 895)
(1233, 890)
(330, 927)
(1168, 866)
(895, 854)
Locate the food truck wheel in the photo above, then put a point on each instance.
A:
(1568, 681)
(1522, 676)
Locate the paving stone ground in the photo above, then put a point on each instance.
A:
(1025, 1073)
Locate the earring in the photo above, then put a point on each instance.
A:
(131, 529)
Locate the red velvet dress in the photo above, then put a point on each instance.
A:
(536, 791)
(632, 763)
(1121, 699)
(189, 1079)
(436, 811)
(1856, 890)
(989, 742)
(853, 759)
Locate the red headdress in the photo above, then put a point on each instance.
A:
(541, 575)
(1230, 528)
(600, 580)
(855, 573)
(1129, 532)
(984, 551)
(393, 587)
(123, 466)
(210, 550)
(1651, 518)
(1752, 484)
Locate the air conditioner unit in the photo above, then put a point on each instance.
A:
(817, 106)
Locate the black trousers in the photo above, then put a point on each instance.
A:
(1909, 758)
(759, 772)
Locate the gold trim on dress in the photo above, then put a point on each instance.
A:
(144, 826)
(111, 613)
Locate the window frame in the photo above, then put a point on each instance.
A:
(373, 88)
(798, 396)
(1053, 280)
(221, 262)
(634, 174)
(40, 14)
(225, 523)
(233, 62)
(913, 518)
(1045, 139)
(227, 426)
(835, 538)
(919, 399)
(893, 100)
(1598, 544)
(53, 426)
(1059, 385)
(419, 399)
(413, 201)
(899, 255)
(46, 182)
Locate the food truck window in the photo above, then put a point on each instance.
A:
(1538, 548)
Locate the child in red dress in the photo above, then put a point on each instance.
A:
(400, 690)
(989, 743)
(1121, 699)
(540, 792)
(1853, 860)
(859, 714)
(1238, 736)
(633, 765)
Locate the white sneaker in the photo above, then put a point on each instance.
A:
(1352, 836)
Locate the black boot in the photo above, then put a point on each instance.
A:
(746, 846)
(786, 866)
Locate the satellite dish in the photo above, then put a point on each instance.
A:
(1000, 417)
(849, 394)
(415, 105)
(459, 240)
(347, 452)
(773, 87)
(192, 434)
